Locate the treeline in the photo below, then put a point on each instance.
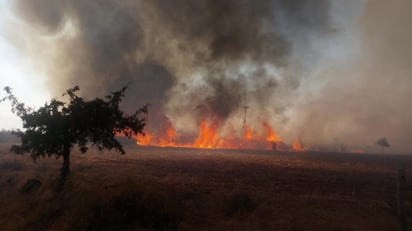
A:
(6, 136)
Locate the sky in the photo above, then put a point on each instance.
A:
(332, 73)
(17, 72)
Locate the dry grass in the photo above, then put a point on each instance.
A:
(184, 189)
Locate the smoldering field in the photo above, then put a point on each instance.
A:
(196, 189)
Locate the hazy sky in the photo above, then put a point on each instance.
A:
(333, 73)
(17, 71)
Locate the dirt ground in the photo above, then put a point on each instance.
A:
(189, 189)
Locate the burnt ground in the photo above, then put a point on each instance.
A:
(193, 189)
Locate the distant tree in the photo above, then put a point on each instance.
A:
(383, 143)
(55, 128)
(6, 136)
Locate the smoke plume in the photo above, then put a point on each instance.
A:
(318, 70)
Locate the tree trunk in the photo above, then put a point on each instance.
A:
(65, 170)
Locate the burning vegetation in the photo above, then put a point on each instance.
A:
(210, 135)
(198, 63)
(195, 62)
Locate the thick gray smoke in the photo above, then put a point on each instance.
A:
(363, 90)
(161, 48)
(287, 60)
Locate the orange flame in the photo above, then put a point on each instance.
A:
(297, 146)
(169, 139)
(248, 133)
(208, 135)
(271, 135)
(164, 137)
(144, 139)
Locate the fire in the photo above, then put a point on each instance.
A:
(169, 139)
(229, 141)
(208, 136)
(297, 146)
(144, 139)
(164, 138)
(271, 135)
(248, 133)
(212, 134)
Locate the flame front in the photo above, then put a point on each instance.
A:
(144, 139)
(248, 133)
(271, 135)
(168, 140)
(162, 139)
(297, 146)
(209, 136)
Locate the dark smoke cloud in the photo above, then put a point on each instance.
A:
(110, 34)
(184, 57)
(47, 16)
(230, 30)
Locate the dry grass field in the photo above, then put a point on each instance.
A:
(187, 189)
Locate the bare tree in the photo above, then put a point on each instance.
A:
(383, 143)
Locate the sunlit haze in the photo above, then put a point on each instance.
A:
(17, 72)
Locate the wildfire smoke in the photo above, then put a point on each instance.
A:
(313, 69)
